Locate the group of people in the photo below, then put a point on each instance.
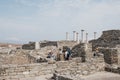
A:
(61, 55)
(52, 54)
(64, 54)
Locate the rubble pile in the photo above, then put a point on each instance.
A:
(20, 57)
(110, 38)
(71, 68)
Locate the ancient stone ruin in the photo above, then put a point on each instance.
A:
(30, 61)
(110, 38)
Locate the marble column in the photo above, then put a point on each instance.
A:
(67, 36)
(74, 35)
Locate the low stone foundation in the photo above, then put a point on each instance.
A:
(72, 67)
(112, 68)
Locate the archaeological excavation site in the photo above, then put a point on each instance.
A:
(76, 59)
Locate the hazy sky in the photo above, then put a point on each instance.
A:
(35, 20)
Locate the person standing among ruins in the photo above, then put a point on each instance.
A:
(66, 54)
(61, 55)
(69, 53)
(54, 54)
(96, 52)
(49, 54)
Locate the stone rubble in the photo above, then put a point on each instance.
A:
(29, 62)
(71, 68)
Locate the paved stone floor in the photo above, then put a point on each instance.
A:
(42, 77)
(96, 76)
(102, 76)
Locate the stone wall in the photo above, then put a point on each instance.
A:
(72, 67)
(48, 43)
(112, 59)
(110, 55)
(59, 44)
(29, 46)
(110, 38)
(70, 44)
(82, 50)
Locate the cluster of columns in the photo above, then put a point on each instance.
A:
(76, 36)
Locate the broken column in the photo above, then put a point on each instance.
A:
(67, 36)
(37, 45)
(74, 35)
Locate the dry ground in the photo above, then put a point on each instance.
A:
(102, 76)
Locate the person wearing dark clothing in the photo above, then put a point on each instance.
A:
(69, 53)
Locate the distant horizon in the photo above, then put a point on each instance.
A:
(19, 42)
(35, 20)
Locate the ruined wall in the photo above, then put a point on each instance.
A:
(110, 38)
(48, 43)
(82, 50)
(59, 44)
(29, 46)
(112, 59)
(111, 55)
(66, 43)
(72, 67)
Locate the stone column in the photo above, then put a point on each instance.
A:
(74, 35)
(95, 35)
(86, 37)
(37, 45)
(67, 36)
(77, 37)
(82, 36)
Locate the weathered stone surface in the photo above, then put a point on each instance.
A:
(29, 46)
(110, 38)
(110, 55)
(82, 50)
(78, 50)
(59, 44)
(72, 67)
